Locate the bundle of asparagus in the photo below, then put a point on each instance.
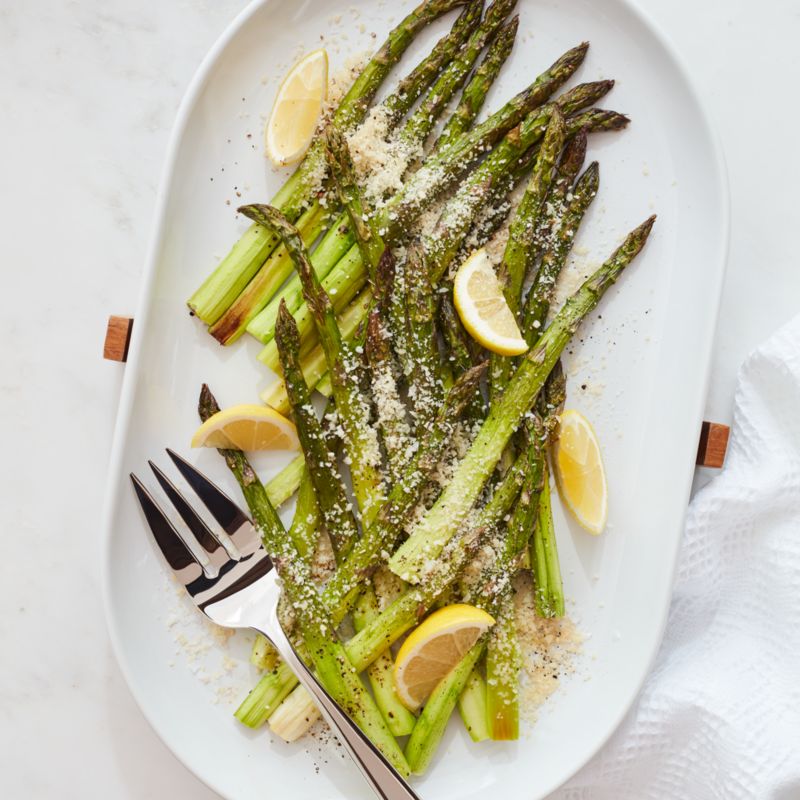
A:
(367, 319)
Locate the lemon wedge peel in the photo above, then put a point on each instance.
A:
(434, 648)
(579, 472)
(297, 109)
(247, 427)
(482, 307)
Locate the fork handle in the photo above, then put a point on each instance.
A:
(384, 779)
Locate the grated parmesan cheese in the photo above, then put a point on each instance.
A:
(549, 649)
(380, 159)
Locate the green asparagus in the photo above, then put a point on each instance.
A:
(233, 274)
(439, 524)
(328, 655)
(474, 94)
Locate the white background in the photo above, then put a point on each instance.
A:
(88, 93)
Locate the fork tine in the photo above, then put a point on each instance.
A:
(204, 535)
(183, 561)
(230, 517)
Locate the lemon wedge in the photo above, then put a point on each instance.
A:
(434, 648)
(580, 476)
(297, 109)
(480, 302)
(247, 427)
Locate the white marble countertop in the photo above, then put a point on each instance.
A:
(88, 92)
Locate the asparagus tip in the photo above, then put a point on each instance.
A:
(647, 225)
(207, 404)
(287, 335)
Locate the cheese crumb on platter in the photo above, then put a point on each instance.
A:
(550, 649)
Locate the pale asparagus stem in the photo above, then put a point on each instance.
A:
(474, 94)
(322, 643)
(334, 245)
(286, 482)
(313, 363)
(341, 284)
(472, 706)
(422, 121)
(269, 278)
(432, 721)
(267, 695)
(233, 274)
(449, 511)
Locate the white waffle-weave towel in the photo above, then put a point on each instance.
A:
(719, 716)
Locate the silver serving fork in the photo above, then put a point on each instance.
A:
(233, 584)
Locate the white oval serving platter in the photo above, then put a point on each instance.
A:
(642, 357)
